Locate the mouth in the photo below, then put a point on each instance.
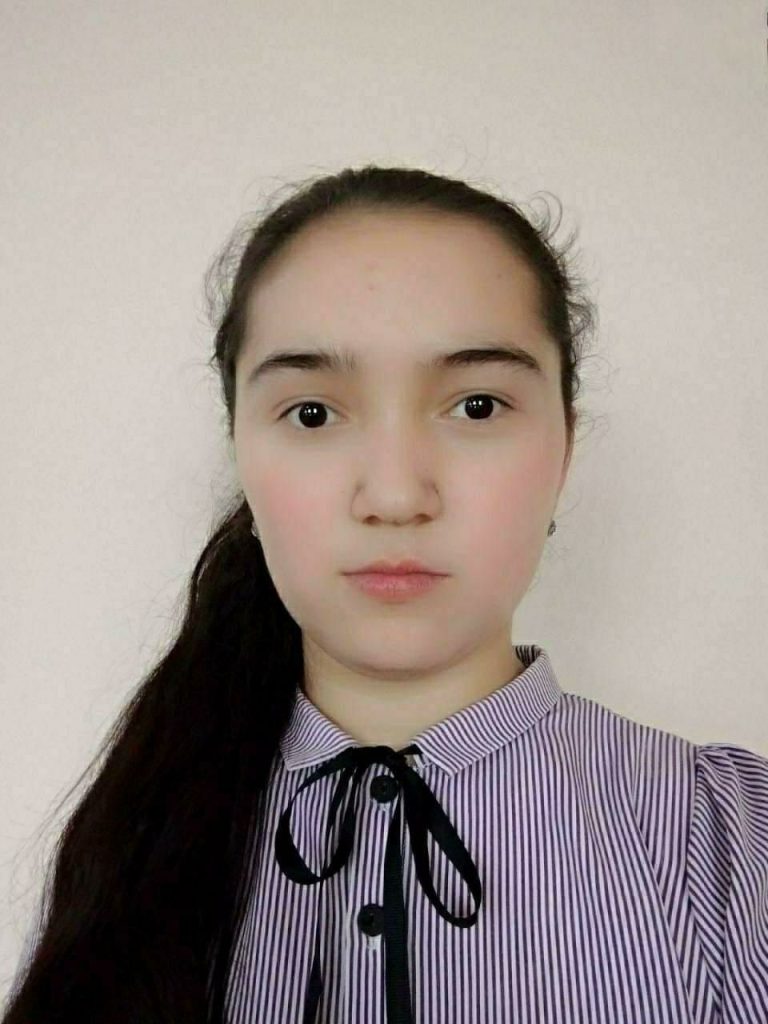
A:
(404, 567)
(395, 586)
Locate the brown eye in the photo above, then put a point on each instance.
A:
(312, 417)
(481, 403)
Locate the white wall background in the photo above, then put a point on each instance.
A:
(134, 138)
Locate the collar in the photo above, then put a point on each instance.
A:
(457, 741)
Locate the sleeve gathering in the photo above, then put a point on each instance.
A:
(727, 868)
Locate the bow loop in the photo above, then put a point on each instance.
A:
(288, 856)
(424, 814)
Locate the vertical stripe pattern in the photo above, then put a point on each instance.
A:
(624, 873)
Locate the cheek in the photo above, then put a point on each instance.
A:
(504, 512)
(292, 542)
(298, 516)
(295, 514)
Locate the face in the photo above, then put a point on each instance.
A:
(391, 460)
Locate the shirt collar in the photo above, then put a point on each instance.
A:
(452, 744)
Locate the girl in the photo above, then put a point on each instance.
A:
(344, 795)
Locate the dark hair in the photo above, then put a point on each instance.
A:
(144, 894)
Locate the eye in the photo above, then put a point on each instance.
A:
(313, 404)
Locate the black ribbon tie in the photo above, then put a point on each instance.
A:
(422, 813)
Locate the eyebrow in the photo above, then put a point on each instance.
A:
(334, 360)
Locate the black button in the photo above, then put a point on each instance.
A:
(370, 919)
(384, 788)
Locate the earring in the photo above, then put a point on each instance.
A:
(253, 529)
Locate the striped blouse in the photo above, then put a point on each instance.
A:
(532, 858)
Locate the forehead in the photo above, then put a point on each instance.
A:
(395, 281)
(415, 257)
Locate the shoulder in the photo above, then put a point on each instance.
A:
(721, 775)
(643, 754)
(715, 785)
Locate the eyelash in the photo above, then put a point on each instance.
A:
(312, 401)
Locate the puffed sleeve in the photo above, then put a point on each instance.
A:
(728, 876)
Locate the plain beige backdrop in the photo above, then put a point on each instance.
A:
(135, 136)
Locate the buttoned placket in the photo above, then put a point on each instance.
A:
(423, 814)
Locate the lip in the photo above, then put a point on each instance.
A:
(395, 587)
(405, 567)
